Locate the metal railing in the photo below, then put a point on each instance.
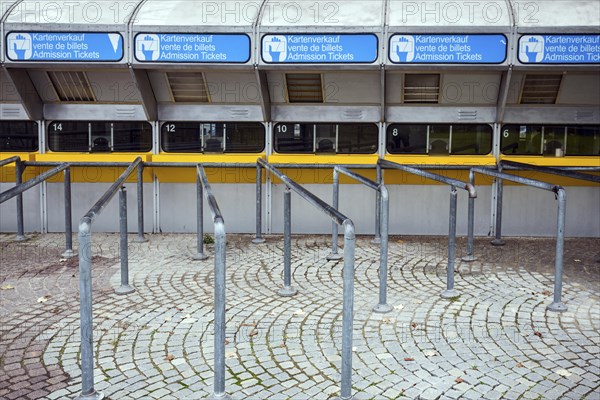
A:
(513, 165)
(85, 279)
(348, 271)
(220, 292)
(19, 167)
(21, 187)
(561, 195)
(383, 225)
(140, 185)
(450, 292)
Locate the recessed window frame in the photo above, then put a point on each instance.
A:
(544, 144)
(315, 144)
(97, 140)
(432, 143)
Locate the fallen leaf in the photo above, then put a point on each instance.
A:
(226, 342)
(180, 308)
(298, 312)
(400, 241)
(538, 334)
(413, 325)
(62, 260)
(252, 324)
(43, 299)
(430, 353)
(459, 380)
(546, 293)
(399, 307)
(563, 372)
(6, 287)
(409, 359)
(253, 333)
(519, 365)
(231, 354)
(577, 260)
(167, 319)
(282, 345)
(169, 357)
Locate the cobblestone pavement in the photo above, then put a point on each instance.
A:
(494, 341)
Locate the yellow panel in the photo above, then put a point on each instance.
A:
(214, 175)
(92, 157)
(7, 172)
(590, 161)
(333, 159)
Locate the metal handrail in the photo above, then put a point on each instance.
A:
(6, 161)
(552, 170)
(382, 223)
(220, 292)
(85, 280)
(450, 292)
(18, 190)
(348, 270)
(19, 166)
(561, 195)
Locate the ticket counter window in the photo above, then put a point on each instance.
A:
(439, 139)
(212, 137)
(326, 138)
(100, 136)
(550, 140)
(18, 136)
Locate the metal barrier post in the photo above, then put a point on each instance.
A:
(334, 226)
(258, 238)
(140, 204)
(287, 290)
(85, 297)
(348, 309)
(497, 241)
(450, 291)
(68, 215)
(200, 255)
(383, 307)
(125, 288)
(557, 304)
(379, 179)
(471, 224)
(220, 299)
(18, 181)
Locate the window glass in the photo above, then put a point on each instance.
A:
(294, 138)
(18, 136)
(213, 137)
(357, 138)
(99, 136)
(471, 139)
(69, 136)
(550, 140)
(325, 138)
(439, 139)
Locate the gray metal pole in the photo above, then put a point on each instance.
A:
(334, 226)
(499, 194)
(348, 309)
(450, 291)
(383, 307)
(125, 288)
(557, 304)
(471, 224)
(85, 299)
(379, 178)
(220, 301)
(68, 215)
(287, 290)
(140, 204)
(258, 238)
(200, 255)
(18, 181)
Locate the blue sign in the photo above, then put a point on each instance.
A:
(64, 46)
(319, 49)
(559, 49)
(447, 49)
(192, 48)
